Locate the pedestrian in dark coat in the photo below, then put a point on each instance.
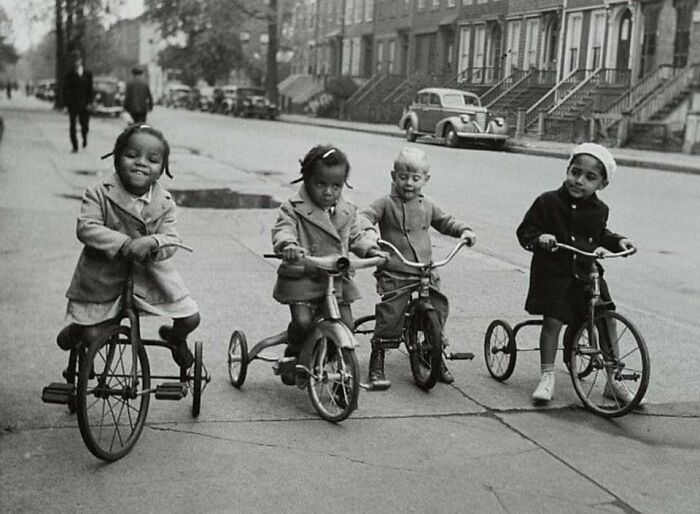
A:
(138, 100)
(572, 214)
(77, 96)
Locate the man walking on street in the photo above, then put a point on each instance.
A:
(138, 100)
(77, 95)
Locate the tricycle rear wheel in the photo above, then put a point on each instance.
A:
(500, 352)
(237, 358)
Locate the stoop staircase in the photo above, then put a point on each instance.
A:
(520, 90)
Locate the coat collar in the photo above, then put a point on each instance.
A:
(160, 199)
(305, 207)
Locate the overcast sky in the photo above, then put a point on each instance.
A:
(26, 32)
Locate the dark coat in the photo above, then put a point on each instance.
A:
(304, 224)
(406, 225)
(138, 97)
(77, 91)
(577, 222)
(107, 220)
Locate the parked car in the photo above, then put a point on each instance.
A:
(109, 98)
(253, 102)
(177, 95)
(453, 116)
(206, 98)
(46, 90)
(224, 99)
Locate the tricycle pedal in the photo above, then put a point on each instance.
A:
(58, 392)
(171, 391)
(460, 356)
(285, 366)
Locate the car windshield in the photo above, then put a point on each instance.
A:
(457, 100)
(252, 92)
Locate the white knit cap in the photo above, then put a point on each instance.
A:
(599, 152)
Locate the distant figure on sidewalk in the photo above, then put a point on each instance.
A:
(138, 100)
(77, 95)
(8, 89)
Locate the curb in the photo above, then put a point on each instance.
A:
(516, 148)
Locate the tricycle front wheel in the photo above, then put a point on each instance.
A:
(237, 358)
(334, 384)
(500, 351)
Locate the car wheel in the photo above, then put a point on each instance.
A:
(451, 137)
(410, 132)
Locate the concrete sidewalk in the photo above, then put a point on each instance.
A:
(631, 157)
(475, 446)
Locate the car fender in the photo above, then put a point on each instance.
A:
(450, 120)
(409, 116)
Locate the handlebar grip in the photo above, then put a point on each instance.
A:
(461, 356)
(271, 256)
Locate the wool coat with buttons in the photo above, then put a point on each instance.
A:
(578, 222)
(301, 222)
(107, 220)
(406, 224)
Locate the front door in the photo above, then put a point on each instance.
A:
(624, 36)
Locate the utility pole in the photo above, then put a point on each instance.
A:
(59, 68)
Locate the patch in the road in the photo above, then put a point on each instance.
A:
(222, 199)
(85, 172)
(267, 173)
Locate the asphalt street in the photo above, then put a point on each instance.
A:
(475, 446)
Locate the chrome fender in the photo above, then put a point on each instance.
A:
(337, 330)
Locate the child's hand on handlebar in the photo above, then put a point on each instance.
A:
(293, 253)
(628, 244)
(376, 252)
(468, 237)
(138, 249)
(547, 242)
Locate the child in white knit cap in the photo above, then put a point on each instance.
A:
(572, 214)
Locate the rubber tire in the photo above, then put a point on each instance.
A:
(425, 321)
(238, 377)
(197, 381)
(352, 368)
(74, 359)
(500, 373)
(645, 371)
(451, 137)
(570, 332)
(84, 377)
(410, 133)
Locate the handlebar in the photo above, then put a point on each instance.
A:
(596, 255)
(336, 263)
(422, 265)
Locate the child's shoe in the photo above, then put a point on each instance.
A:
(445, 375)
(545, 389)
(377, 378)
(616, 391)
(181, 354)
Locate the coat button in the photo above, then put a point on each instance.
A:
(590, 239)
(573, 205)
(573, 238)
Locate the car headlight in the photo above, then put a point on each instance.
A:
(499, 121)
(465, 118)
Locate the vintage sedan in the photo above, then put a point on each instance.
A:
(253, 102)
(453, 116)
(109, 96)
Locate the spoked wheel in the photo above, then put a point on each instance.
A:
(619, 361)
(237, 358)
(111, 405)
(70, 373)
(500, 352)
(197, 380)
(424, 342)
(334, 384)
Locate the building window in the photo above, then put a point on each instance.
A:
(596, 39)
(380, 56)
(355, 57)
(573, 42)
(465, 35)
(421, 4)
(513, 46)
(532, 31)
(391, 57)
(346, 57)
(359, 10)
(369, 10)
(436, 4)
(681, 43)
(349, 10)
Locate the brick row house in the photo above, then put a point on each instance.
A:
(634, 63)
